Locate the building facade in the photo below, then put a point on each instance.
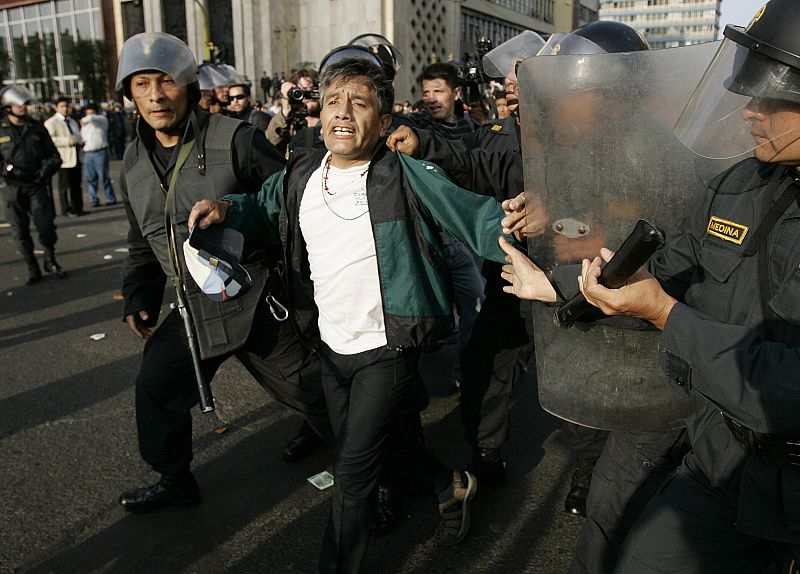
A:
(49, 46)
(62, 46)
(667, 23)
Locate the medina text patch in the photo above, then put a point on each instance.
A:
(727, 230)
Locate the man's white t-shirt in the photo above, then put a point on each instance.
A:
(336, 226)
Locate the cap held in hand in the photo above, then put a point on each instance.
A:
(212, 257)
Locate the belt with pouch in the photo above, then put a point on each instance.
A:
(775, 449)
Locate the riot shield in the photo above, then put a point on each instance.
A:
(599, 155)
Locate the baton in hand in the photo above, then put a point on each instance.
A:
(206, 398)
(645, 239)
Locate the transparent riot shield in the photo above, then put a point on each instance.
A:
(600, 154)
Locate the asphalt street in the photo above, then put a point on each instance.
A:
(68, 448)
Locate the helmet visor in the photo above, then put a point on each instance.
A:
(562, 43)
(715, 123)
(343, 52)
(502, 60)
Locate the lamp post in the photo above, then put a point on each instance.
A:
(288, 36)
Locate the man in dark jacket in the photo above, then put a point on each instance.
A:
(359, 219)
(182, 155)
(241, 107)
(725, 293)
(29, 160)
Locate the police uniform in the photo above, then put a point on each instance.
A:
(227, 156)
(732, 345)
(29, 160)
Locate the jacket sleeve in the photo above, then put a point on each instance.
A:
(481, 171)
(750, 378)
(256, 215)
(256, 158)
(472, 219)
(143, 279)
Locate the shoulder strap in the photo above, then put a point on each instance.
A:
(169, 207)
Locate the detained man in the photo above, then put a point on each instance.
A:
(358, 227)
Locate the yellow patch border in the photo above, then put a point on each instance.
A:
(738, 241)
(496, 128)
(5, 139)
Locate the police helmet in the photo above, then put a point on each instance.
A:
(380, 46)
(348, 51)
(155, 51)
(15, 96)
(600, 37)
(770, 64)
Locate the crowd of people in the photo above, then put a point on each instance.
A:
(356, 228)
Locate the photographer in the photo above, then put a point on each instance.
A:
(298, 110)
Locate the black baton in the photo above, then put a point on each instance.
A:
(645, 239)
(206, 398)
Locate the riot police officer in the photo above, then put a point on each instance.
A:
(29, 160)
(182, 154)
(725, 294)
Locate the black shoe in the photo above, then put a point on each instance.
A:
(387, 509)
(302, 444)
(52, 266)
(488, 466)
(575, 502)
(80, 213)
(34, 273)
(169, 491)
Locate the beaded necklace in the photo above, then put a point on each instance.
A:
(326, 191)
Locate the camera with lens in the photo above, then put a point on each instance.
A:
(297, 95)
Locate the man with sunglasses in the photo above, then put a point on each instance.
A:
(241, 107)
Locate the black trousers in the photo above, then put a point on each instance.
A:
(24, 203)
(166, 389)
(689, 527)
(629, 472)
(364, 392)
(70, 191)
(491, 363)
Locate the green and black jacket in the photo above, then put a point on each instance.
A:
(409, 202)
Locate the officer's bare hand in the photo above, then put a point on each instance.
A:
(527, 280)
(404, 140)
(136, 323)
(641, 297)
(207, 212)
(524, 217)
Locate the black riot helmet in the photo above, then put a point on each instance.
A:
(755, 64)
(383, 49)
(600, 37)
(771, 62)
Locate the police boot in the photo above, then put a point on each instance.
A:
(52, 266)
(575, 502)
(488, 466)
(181, 490)
(34, 274)
(387, 509)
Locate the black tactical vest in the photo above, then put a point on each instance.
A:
(221, 327)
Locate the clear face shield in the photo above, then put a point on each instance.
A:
(724, 117)
(501, 62)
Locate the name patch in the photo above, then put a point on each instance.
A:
(727, 230)
(5, 139)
